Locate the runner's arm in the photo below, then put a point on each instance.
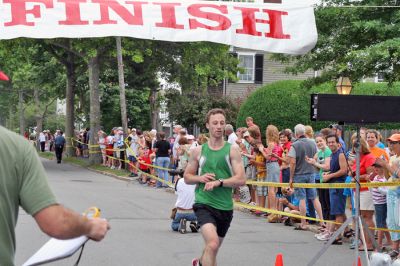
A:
(62, 223)
(190, 175)
(238, 179)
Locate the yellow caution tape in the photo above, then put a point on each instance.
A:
(149, 175)
(323, 185)
(150, 165)
(257, 208)
(89, 145)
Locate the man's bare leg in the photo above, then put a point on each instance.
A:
(213, 242)
(303, 210)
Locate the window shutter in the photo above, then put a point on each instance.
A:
(258, 71)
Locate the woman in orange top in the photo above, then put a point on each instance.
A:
(372, 140)
(367, 207)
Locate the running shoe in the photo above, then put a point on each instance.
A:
(196, 262)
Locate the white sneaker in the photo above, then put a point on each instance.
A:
(324, 237)
(321, 233)
(112, 167)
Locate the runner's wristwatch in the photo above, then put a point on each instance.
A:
(221, 182)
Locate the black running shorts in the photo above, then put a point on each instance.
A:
(221, 219)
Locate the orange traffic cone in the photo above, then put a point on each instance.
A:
(358, 262)
(279, 260)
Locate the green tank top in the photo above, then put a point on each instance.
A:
(217, 162)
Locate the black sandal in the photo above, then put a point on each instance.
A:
(348, 233)
(338, 241)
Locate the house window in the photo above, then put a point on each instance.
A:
(380, 77)
(252, 66)
(246, 63)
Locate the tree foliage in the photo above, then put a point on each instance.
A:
(287, 103)
(191, 109)
(355, 39)
(32, 63)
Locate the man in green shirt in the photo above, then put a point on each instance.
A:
(216, 167)
(23, 182)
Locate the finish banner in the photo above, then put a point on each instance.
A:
(276, 28)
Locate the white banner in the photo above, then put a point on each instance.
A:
(275, 28)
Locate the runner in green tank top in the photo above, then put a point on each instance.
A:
(216, 167)
(216, 162)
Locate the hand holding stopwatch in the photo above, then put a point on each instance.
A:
(98, 226)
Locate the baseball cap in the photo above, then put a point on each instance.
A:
(336, 126)
(246, 134)
(120, 128)
(190, 137)
(394, 137)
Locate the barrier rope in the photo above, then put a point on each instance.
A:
(139, 170)
(263, 184)
(150, 165)
(258, 183)
(257, 208)
(324, 185)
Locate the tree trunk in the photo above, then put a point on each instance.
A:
(95, 116)
(38, 117)
(21, 112)
(121, 82)
(70, 106)
(11, 119)
(154, 110)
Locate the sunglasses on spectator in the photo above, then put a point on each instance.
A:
(394, 142)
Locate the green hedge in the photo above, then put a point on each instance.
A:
(287, 103)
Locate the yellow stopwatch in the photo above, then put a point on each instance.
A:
(92, 212)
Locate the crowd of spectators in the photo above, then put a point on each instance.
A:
(332, 161)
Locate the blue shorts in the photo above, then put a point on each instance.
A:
(305, 193)
(380, 215)
(132, 159)
(337, 201)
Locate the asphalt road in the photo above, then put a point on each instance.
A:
(141, 234)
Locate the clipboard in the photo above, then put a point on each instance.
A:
(56, 249)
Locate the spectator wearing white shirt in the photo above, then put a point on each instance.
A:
(231, 134)
(42, 140)
(184, 205)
